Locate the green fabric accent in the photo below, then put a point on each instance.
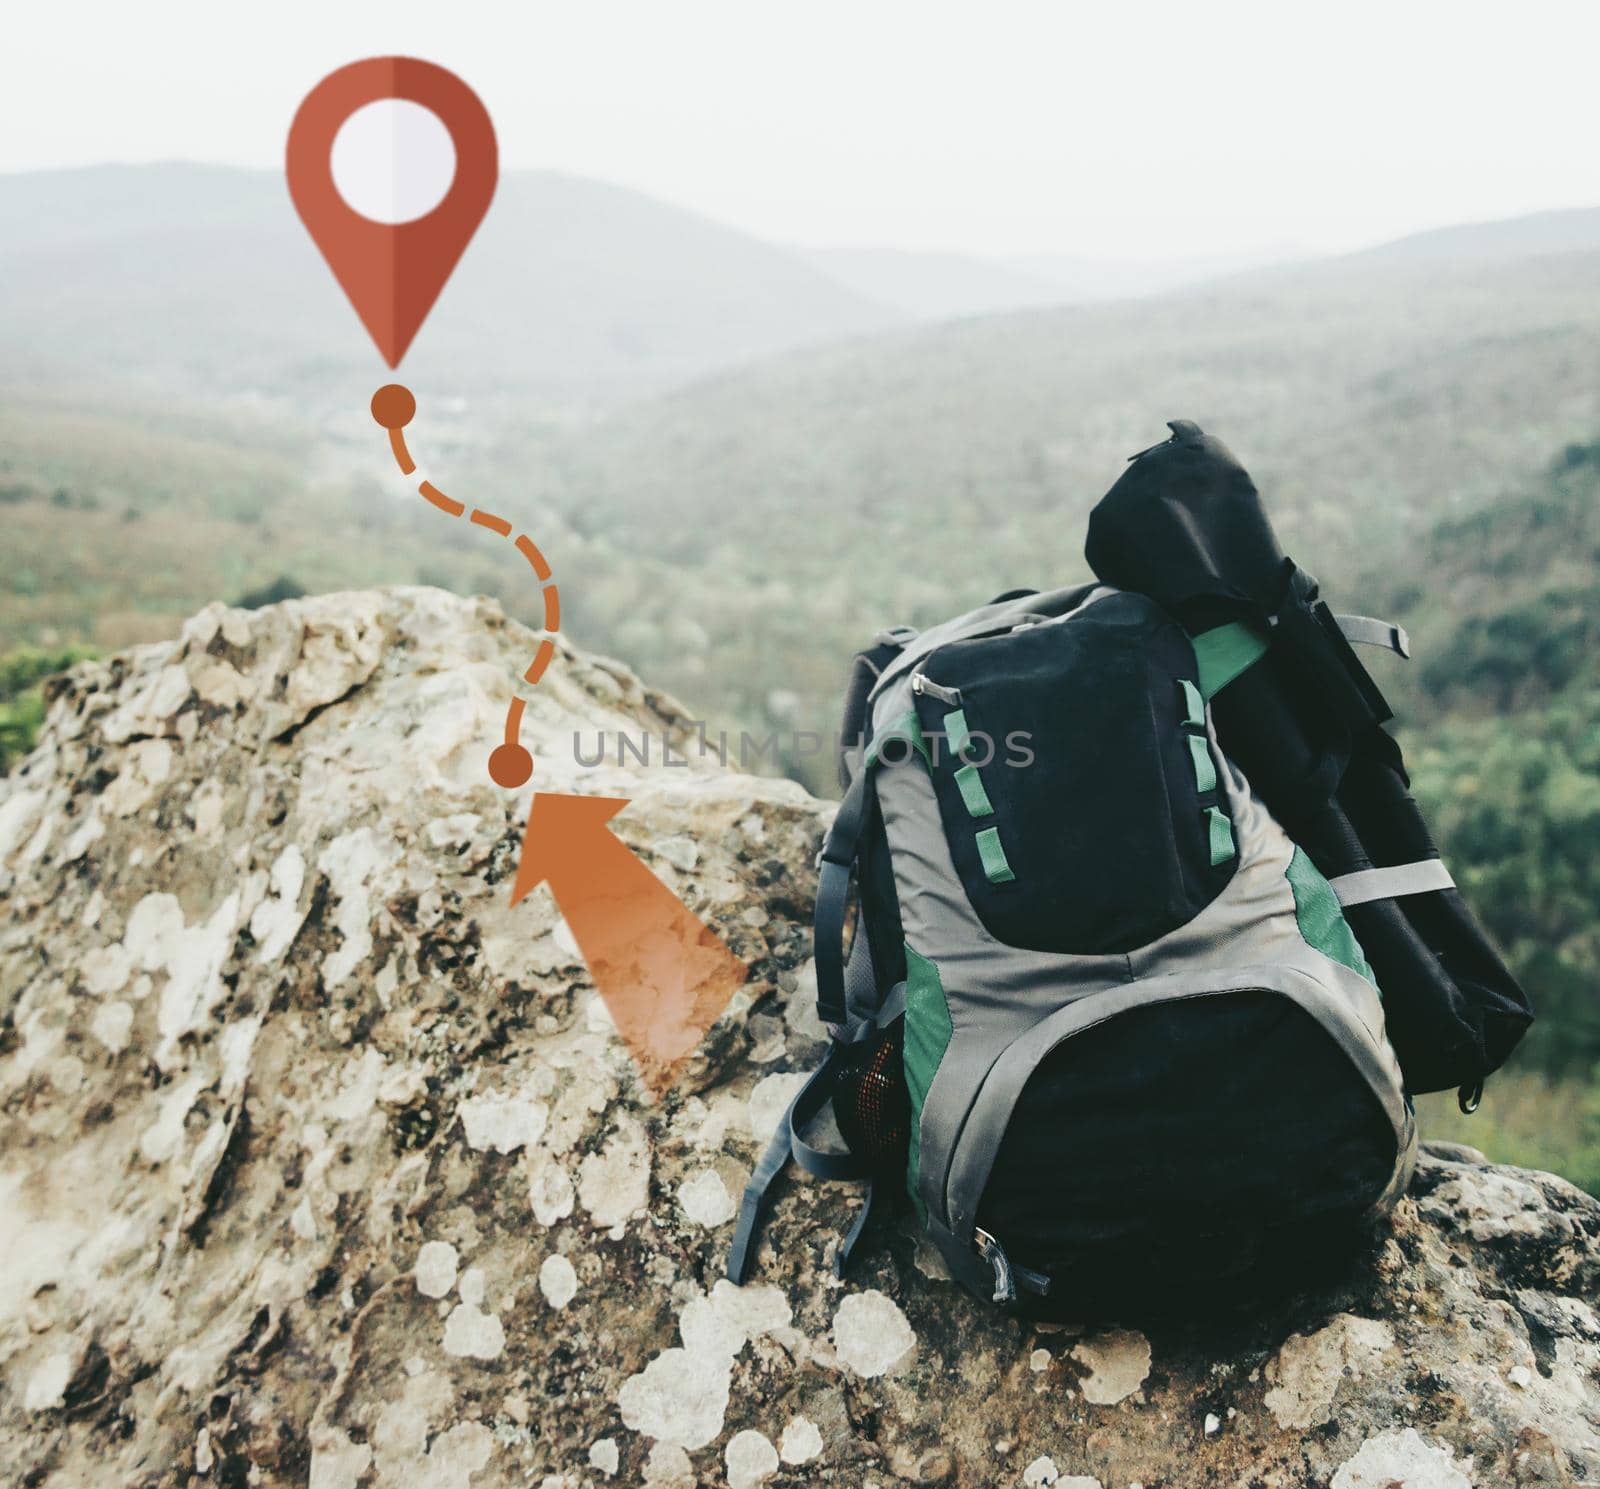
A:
(994, 857)
(905, 727)
(1322, 923)
(927, 1037)
(1221, 837)
(956, 733)
(1194, 705)
(1205, 772)
(972, 792)
(1224, 653)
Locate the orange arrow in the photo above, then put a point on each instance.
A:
(664, 974)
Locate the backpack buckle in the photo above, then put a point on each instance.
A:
(1005, 1280)
(1006, 1273)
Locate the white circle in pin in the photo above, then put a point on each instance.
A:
(393, 160)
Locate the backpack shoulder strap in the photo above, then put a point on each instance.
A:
(786, 1144)
(864, 672)
(834, 865)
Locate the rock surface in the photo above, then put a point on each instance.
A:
(319, 1165)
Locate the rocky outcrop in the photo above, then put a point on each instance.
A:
(321, 1165)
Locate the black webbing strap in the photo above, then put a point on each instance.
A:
(786, 1142)
(847, 1245)
(754, 1209)
(834, 863)
(1363, 630)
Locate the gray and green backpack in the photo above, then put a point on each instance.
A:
(1107, 1019)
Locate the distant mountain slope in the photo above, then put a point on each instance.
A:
(946, 286)
(1570, 230)
(937, 286)
(198, 278)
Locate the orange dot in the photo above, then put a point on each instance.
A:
(510, 765)
(393, 406)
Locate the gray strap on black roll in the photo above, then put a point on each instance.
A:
(1393, 883)
(1364, 630)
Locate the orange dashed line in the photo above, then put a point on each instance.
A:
(490, 521)
(440, 500)
(514, 720)
(541, 659)
(529, 550)
(402, 456)
(393, 407)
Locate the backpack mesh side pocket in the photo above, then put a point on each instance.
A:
(871, 1102)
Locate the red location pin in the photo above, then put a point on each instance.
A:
(392, 270)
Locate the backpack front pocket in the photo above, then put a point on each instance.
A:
(1172, 1131)
(1076, 783)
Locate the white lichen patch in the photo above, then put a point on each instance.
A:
(558, 1281)
(161, 1139)
(770, 1100)
(705, 1200)
(550, 1193)
(1401, 1459)
(502, 1122)
(668, 1467)
(603, 1456)
(472, 1285)
(801, 1441)
(47, 1385)
(112, 1024)
(351, 861)
(472, 1334)
(18, 815)
(871, 1334)
(1118, 1360)
(1309, 1367)
(680, 1397)
(336, 1461)
(436, 1269)
(1043, 1471)
(154, 927)
(205, 810)
(235, 1046)
(750, 1458)
(193, 957)
(1493, 1205)
(278, 918)
(105, 970)
(614, 1184)
(146, 764)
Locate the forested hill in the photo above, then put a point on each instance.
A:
(1506, 599)
(1500, 713)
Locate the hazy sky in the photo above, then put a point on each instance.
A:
(991, 126)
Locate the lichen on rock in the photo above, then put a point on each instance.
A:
(320, 1164)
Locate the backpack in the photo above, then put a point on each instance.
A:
(1104, 1018)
